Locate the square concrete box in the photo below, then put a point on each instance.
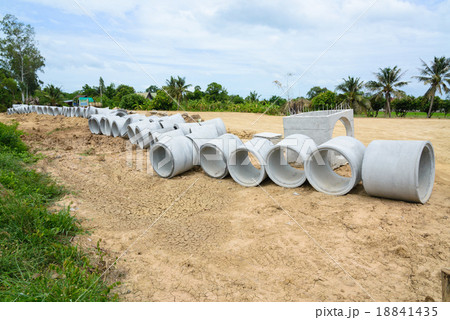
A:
(319, 125)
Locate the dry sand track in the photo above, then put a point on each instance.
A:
(224, 242)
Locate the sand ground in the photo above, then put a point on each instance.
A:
(218, 241)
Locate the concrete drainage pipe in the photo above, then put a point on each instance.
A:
(120, 125)
(172, 157)
(146, 139)
(200, 136)
(215, 153)
(94, 123)
(162, 136)
(106, 124)
(320, 174)
(175, 118)
(186, 127)
(218, 123)
(240, 166)
(401, 170)
(142, 133)
(285, 161)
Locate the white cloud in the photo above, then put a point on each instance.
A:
(243, 45)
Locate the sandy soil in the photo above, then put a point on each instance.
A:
(219, 241)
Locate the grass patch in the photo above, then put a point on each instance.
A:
(37, 260)
(88, 152)
(58, 129)
(437, 115)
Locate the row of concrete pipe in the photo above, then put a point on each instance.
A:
(401, 170)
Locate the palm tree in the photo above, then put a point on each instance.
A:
(351, 87)
(435, 75)
(176, 88)
(388, 80)
(53, 94)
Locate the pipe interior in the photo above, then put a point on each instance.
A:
(283, 170)
(130, 132)
(323, 175)
(162, 161)
(115, 130)
(244, 169)
(425, 173)
(213, 161)
(103, 125)
(95, 128)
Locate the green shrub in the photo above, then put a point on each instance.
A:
(10, 138)
(131, 101)
(324, 99)
(162, 101)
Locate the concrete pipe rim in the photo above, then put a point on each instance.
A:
(246, 175)
(115, 130)
(157, 154)
(284, 175)
(425, 171)
(94, 126)
(207, 164)
(342, 185)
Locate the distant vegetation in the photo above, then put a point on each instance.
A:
(21, 60)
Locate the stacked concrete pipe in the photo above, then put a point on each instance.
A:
(120, 125)
(163, 136)
(186, 127)
(296, 149)
(200, 136)
(240, 167)
(142, 132)
(400, 170)
(218, 123)
(172, 157)
(320, 173)
(214, 154)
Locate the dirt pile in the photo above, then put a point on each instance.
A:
(199, 239)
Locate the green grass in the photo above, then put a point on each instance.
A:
(38, 262)
(437, 115)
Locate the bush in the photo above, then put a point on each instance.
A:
(402, 106)
(10, 139)
(162, 101)
(131, 101)
(324, 99)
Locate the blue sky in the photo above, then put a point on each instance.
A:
(243, 45)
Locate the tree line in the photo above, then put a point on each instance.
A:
(21, 61)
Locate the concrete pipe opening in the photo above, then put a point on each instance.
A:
(400, 170)
(215, 169)
(108, 124)
(117, 126)
(103, 125)
(284, 173)
(285, 161)
(94, 124)
(215, 153)
(247, 163)
(163, 159)
(320, 173)
(172, 157)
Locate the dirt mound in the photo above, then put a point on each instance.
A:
(194, 238)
